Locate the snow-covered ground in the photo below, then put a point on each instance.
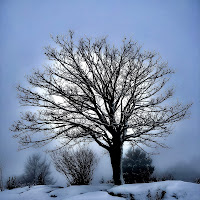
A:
(168, 190)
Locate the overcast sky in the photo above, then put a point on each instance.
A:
(168, 27)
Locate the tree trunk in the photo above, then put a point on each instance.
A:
(116, 162)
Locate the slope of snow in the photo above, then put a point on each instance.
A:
(26, 193)
(94, 196)
(44, 192)
(76, 190)
(145, 191)
(169, 190)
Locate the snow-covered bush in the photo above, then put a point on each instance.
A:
(137, 166)
(77, 165)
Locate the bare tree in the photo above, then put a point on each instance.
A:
(37, 171)
(77, 165)
(100, 93)
(1, 178)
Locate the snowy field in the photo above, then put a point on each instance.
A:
(167, 190)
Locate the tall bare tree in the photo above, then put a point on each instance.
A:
(96, 92)
(1, 178)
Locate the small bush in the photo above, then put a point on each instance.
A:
(197, 181)
(11, 183)
(167, 177)
(77, 165)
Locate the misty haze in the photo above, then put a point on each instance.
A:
(100, 100)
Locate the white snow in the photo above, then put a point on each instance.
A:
(174, 190)
(45, 192)
(94, 196)
(76, 190)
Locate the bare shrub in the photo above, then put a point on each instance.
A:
(77, 165)
(197, 181)
(11, 183)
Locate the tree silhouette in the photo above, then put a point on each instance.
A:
(95, 92)
(36, 171)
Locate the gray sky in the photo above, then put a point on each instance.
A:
(168, 27)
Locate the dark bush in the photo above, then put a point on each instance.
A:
(137, 166)
(197, 181)
(11, 183)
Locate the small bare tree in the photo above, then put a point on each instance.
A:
(99, 93)
(37, 171)
(77, 165)
(1, 178)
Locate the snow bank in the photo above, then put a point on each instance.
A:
(169, 190)
(48, 192)
(76, 190)
(26, 193)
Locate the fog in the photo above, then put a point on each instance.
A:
(168, 27)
